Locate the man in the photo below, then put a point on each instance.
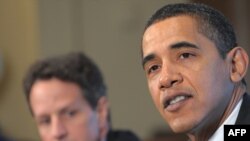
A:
(67, 97)
(195, 70)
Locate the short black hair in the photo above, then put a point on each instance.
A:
(74, 67)
(211, 23)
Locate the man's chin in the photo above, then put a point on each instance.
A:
(180, 129)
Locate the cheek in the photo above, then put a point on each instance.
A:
(45, 135)
(210, 85)
(204, 87)
(154, 92)
(86, 128)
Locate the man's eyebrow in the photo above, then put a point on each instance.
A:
(147, 58)
(64, 109)
(183, 44)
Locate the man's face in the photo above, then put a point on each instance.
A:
(187, 78)
(61, 112)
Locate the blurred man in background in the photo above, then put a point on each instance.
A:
(67, 97)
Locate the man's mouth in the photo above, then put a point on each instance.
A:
(175, 100)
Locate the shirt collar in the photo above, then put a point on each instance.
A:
(230, 120)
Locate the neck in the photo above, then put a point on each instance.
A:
(207, 131)
(239, 91)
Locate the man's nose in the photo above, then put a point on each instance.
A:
(59, 130)
(169, 77)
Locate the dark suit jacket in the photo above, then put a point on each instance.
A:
(122, 135)
(244, 113)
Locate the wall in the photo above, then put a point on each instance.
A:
(110, 32)
(19, 47)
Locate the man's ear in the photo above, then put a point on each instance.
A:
(103, 113)
(238, 60)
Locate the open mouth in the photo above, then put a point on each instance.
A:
(175, 100)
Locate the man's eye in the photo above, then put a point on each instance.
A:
(45, 121)
(185, 55)
(153, 68)
(71, 113)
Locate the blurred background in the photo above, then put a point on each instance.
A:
(110, 32)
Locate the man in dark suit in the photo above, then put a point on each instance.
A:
(195, 70)
(67, 98)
